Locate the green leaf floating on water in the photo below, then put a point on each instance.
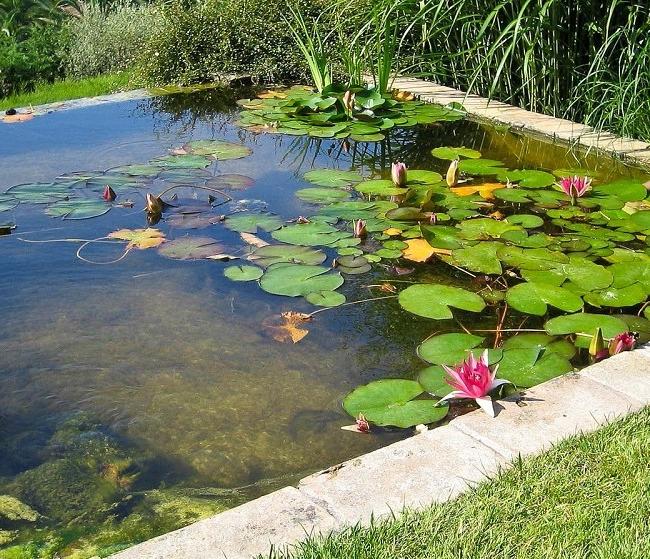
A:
(78, 208)
(433, 300)
(310, 234)
(533, 298)
(455, 153)
(585, 324)
(434, 380)
(485, 228)
(391, 402)
(416, 177)
(527, 221)
(191, 248)
(448, 349)
(481, 258)
(617, 297)
(272, 254)
(480, 166)
(181, 161)
(325, 298)
(531, 258)
(39, 193)
(294, 280)
(526, 367)
(137, 170)
(380, 187)
(7, 202)
(539, 340)
(218, 149)
(322, 195)
(243, 273)
(250, 223)
(527, 178)
(332, 177)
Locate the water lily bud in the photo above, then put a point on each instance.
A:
(452, 173)
(109, 194)
(597, 345)
(348, 101)
(625, 341)
(362, 424)
(154, 204)
(360, 229)
(398, 173)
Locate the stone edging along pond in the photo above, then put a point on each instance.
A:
(437, 465)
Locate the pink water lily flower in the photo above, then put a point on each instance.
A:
(398, 173)
(575, 187)
(473, 379)
(360, 230)
(109, 194)
(625, 341)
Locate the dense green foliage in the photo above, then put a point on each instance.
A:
(109, 40)
(587, 60)
(587, 497)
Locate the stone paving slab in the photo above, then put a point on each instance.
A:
(628, 373)
(503, 113)
(275, 520)
(550, 412)
(431, 467)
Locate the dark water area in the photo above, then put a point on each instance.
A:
(139, 396)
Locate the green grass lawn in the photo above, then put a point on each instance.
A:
(589, 497)
(68, 89)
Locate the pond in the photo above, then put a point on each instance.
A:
(141, 389)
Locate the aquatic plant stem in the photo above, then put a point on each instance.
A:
(99, 240)
(351, 303)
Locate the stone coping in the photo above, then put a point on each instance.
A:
(550, 127)
(83, 102)
(430, 467)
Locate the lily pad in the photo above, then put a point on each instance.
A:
(322, 195)
(527, 178)
(191, 248)
(332, 177)
(434, 300)
(448, 349)
(181, 161)
(549, 344)
(272, 254)
(434, 380)
(391, 402)
(250, 223)
(451, 153)
(617, 297)
(243, 273)
(7, 202)
(325, 298)
(218, 149)
(585, 324)
(230, 181)
(481, 258)
(310, 234)
(379, 187)
(39, 193)
(480, 166)
(294, 280)
(78, 208)
(533, 298)
(526, 367)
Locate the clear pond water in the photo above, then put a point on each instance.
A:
(139, 396)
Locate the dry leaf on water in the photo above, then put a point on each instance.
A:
(253, 240)
(139, 238)
(285, 327)
(419, 250)
(18, 117)
(485, 190)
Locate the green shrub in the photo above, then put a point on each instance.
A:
(109, 39)
(201, 41)
(37, 58)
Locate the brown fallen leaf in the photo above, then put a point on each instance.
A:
(419, 250)
(285, 327)
(178, 151)
(385, 287)
(392, 231)
(253, 240)
(18, 117)
(270, 94)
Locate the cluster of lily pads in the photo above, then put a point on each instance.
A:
(537, 250)
(361, 114)
(79, 195)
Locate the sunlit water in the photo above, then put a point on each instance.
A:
(168, 360)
